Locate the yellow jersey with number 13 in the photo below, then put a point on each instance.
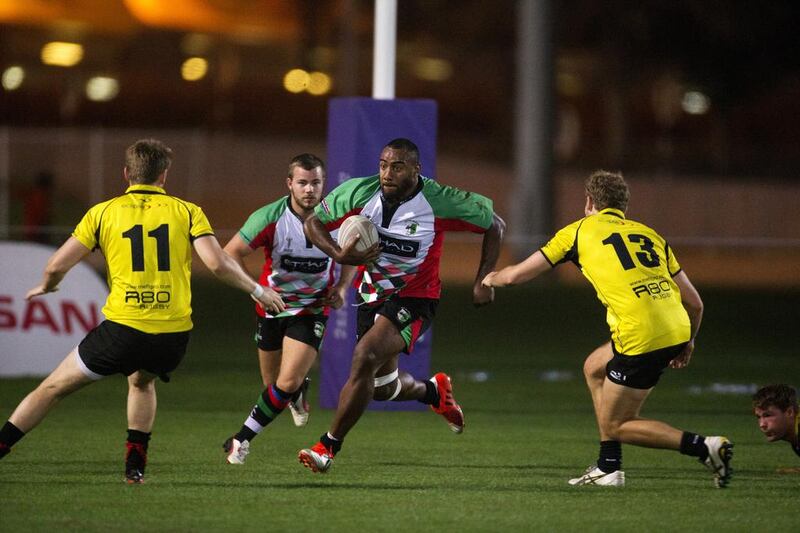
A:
(146, 237)
(631, 268)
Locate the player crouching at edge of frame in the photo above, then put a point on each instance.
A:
(147, 238)
(776, 409)
(288, 342)
(653, 312)
(399, 286)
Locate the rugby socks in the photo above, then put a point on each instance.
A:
(9, 436)
(331, 443)
(694, 445)
(139, 437)
(136, 451)
(270, 404)
(610, 459)
(431, 394)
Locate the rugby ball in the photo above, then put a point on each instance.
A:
(358, 225)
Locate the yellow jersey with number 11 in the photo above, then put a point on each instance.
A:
(631, 268)
(146, 237)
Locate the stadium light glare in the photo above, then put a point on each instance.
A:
(61, 54)
(695, 103)
(196, 44)
(296, 80)
(194, 69)
(13, 77)
(102, 88)
(432, 69)
(319, 83)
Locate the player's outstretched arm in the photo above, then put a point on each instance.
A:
(518, 273)
(490, 251)
(62, 260)
(228, 270)
(347, 255)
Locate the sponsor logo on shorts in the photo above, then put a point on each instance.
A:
(616, 374)
(319, 329)
(403, 315)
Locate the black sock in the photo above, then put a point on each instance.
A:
(245, 434)
(694, 445)
(10, 434)
(139, 437)
(431, 394)
(610, 459)
(330, 443)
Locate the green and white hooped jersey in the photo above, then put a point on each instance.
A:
(299, 271)
(411, 234)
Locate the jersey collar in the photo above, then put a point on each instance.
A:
(146, 189)
(612, 211)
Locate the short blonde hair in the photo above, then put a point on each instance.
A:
(608, 189)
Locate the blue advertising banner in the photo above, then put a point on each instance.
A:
(358, 129)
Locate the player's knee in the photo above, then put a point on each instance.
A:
(365, 361)
(593, 371)
(387, 387)
(53, 389)
(289, 384)
(611, 428)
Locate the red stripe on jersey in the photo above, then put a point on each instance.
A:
(266, 272)
(426, 283)
(265, 238)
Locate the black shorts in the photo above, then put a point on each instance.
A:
(308, 329)
(640, 371)
(113, 348)
(411, 316)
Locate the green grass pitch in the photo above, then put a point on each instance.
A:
(524, 438)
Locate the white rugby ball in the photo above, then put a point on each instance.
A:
(358, 225)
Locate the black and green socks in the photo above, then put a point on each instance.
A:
(270, 404)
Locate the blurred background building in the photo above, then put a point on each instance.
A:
(698, 103)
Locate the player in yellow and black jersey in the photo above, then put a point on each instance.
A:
(147, 239)
(653, 313)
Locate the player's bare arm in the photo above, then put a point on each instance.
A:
(228, 270)
(490, 251)
(691, 301)
(66, 257)
(346, 255)
(238, 249)
(518, 273)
